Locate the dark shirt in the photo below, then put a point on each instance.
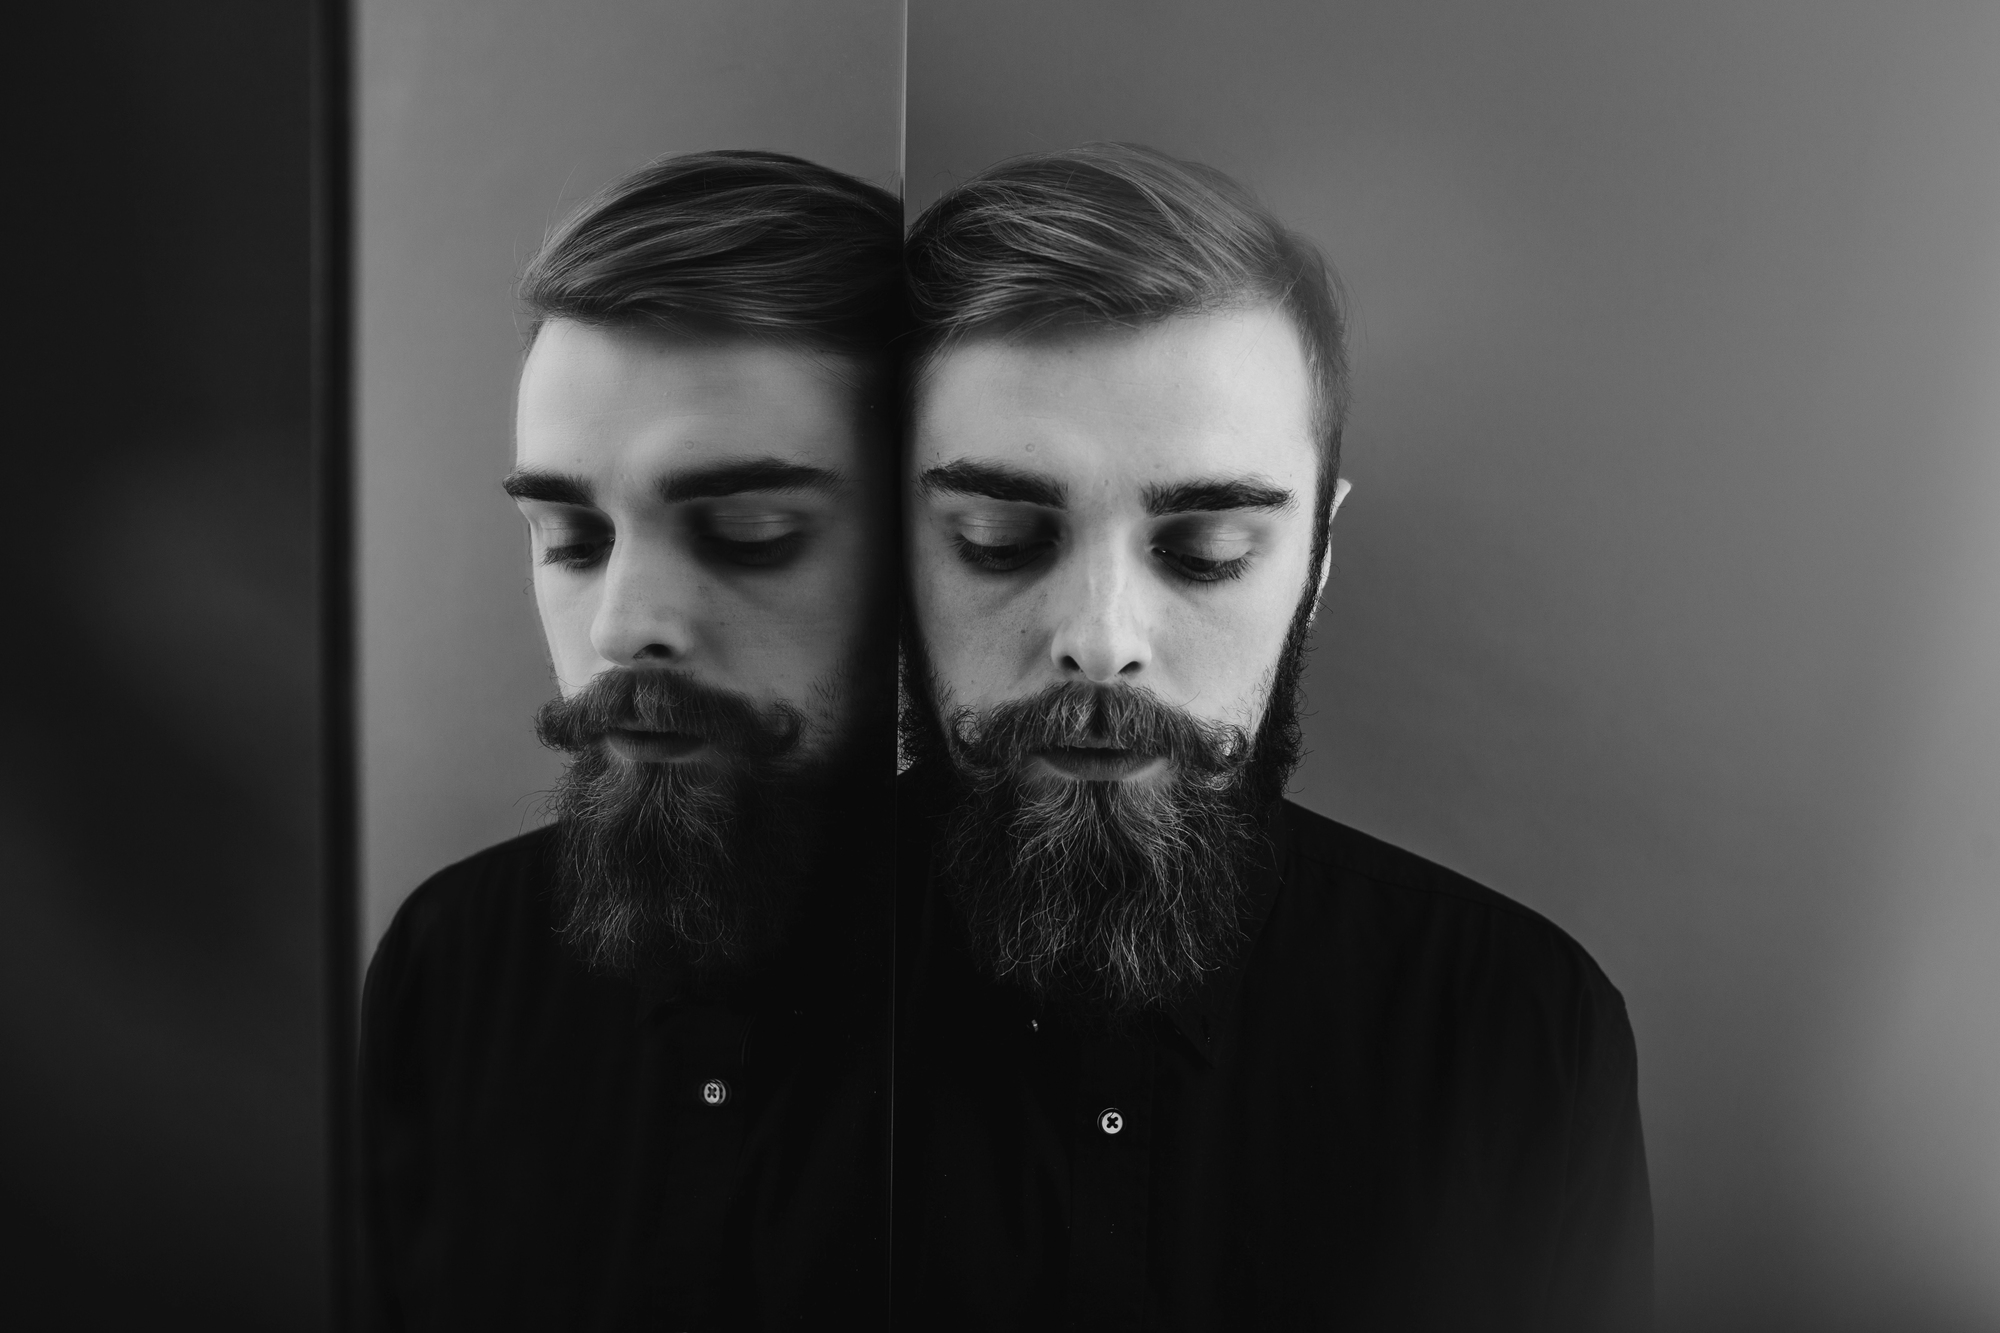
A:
(548, 1149)
(1410, 1104)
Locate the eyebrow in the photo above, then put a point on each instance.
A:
(1206, 495)
(554, 488)
(995, 481)
(704, 483)
(1215, 494)
(756, 474)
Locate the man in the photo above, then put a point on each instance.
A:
(631, 1070)
(1176, 1053)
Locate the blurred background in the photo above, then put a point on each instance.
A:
(163, 1125)
(1668, 597)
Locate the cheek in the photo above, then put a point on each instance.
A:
(566, 609)
(802, 625)
(1225, 651)
(964, 630)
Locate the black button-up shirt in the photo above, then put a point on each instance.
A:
(1411, 1104)
(547, 1149)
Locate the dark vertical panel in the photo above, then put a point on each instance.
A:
(162, 1122)
(332, 298)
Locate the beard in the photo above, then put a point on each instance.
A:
(680, 874)
(1106, 898)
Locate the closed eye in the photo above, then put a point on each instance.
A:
(1000, 559)
(1197, 552)
(999, 544)
(574, 546)
(758, 539)
(1200, 569)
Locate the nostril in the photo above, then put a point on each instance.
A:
(653, 650)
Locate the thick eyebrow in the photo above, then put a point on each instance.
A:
(1212, 495)
(705, 483)
(995, 481)
(554, 488)
(756, 474)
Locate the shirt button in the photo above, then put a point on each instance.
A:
(715, 1092)
(1111, 1120)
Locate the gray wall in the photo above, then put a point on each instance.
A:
(1666, 598)
(482, 124)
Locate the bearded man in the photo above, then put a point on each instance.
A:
(1175, 1052)
(631, 1069)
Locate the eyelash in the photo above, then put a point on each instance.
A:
(766, 554)
(1215, 571)
(998, 559)
(1017, 556)
(578, 557)
(575, 556)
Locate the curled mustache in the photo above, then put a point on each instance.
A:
(668, 701)
(993, 748)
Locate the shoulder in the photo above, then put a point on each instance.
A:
(480, 892)
(1340, 877)
(490, 911)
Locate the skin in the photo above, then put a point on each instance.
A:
(700, 508)
(1126, 508)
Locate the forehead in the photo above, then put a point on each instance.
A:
(592, 398)
(1194, 394)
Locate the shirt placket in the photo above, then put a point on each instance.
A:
(1110, 1183)
(706, 1105)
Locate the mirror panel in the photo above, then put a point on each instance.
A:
(480, 126)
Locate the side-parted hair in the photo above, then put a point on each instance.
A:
(736, 244)
(1113, 235)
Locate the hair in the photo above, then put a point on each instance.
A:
(1119, 236)
(735, 244)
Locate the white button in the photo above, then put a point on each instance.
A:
(715, 1092)
(1111, 1120)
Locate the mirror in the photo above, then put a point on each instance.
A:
(610, 1133)
(480, 129)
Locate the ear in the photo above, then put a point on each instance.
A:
(1333, 511)
(1340, 490)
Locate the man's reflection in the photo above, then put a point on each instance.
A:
(703, 535)
(632, 1068)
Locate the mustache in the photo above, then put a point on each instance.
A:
(1075, 714)
(659, 700)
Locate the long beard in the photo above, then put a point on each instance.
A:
(1106, 899)
(679, 874)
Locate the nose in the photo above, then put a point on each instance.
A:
(646, 612)
(1099, 619)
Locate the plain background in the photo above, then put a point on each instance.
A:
(1664, 602)
(481, 125)
(1668, 597)
(163, 1101)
